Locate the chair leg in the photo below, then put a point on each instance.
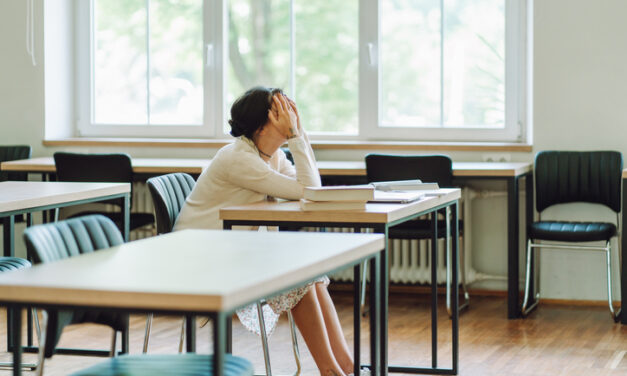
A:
(364, 274)
(264, 339)
(114, 340)
(525, 310)
(42, 344)
(182, 336)
(462, 280)
(290, 319)
(608, 253)
(147, 333)
(30, 366)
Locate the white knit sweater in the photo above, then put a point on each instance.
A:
(237, 175)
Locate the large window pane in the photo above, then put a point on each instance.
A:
(474, 61)
(325, 72)
(410, 63)
(259, 46)
(119, 62)
(326, 64)
(176, 76)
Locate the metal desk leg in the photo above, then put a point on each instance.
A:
(455, 303)
(513, 308)
(190, 333)
(356, 319)
(127, 216)
(17, 339)
(378, 332)
(8, 231)
(623, 250)
(434, 289)
(219, 342)
(529, 213)
(384, 286)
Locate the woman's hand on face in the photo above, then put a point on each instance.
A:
(285, 119)
(293, 106)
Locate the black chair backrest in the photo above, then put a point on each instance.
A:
(168, 196)
(73, 237)
(428, 168)
(104, 168)
(12, 153)
(100, 168)
(578, 176)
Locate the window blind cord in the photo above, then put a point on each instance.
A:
(30, 31)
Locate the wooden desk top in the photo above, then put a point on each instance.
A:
(18, 195)
(140, 165)
(477, 169)
(290, 211)
(326, 168)
(210, 270)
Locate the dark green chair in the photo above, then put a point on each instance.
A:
(69, 238)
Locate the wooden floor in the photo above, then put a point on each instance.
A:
(554, 340)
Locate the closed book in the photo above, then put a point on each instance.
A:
(405, 185)
(308, 205)
(361, 193)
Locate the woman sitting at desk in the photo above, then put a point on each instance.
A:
(254, 168)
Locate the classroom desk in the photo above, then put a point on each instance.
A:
(463, 172)
(22, 197)
(25, 197)
(229, 270)
(509, 172)
(378, 217)
(148, 166)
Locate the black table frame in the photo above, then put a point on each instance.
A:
(220, 319)
(384, 284)
(8, 234)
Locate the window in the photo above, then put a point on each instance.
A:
(451, 70)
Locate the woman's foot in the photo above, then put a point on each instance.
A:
(362, 372)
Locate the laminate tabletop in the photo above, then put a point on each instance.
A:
(290, 211)
(18, 195)
(326, 168)
(190, 270)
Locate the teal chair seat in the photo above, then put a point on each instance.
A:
(177, 364)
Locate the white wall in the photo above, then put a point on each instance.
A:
(580, 103)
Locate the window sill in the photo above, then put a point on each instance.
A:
(316, 144)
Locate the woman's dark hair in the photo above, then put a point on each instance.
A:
(250, 111)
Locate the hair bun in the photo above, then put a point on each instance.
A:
(236, 129)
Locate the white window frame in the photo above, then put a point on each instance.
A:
(212, 82)
(215, 111)
(515, 84)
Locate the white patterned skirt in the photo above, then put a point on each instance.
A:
(275, 307)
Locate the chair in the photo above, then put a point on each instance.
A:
(12, 153)
(428, 168)
(8, 264)
(69, 238)
(168, 194)
(110, 168)
(155, 365)
(567, 177)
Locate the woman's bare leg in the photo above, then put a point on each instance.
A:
(310, 322)
(339, 346)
